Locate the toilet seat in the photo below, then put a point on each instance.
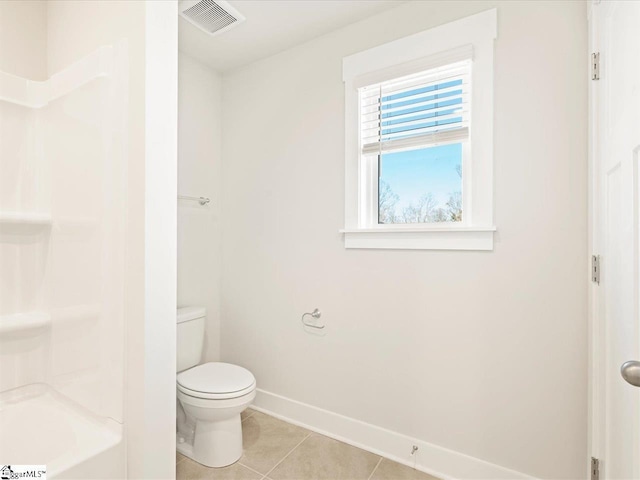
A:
(216, 381)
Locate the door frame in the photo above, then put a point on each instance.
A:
(596, 328)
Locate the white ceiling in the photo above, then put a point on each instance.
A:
(273, 26)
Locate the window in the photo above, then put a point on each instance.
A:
(419, 140)
(414, 132)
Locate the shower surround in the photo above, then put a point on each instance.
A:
(63, 183)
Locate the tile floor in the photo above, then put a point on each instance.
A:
(277, 450)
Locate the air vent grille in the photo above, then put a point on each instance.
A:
(211, 16)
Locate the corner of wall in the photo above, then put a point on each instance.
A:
(200, 174)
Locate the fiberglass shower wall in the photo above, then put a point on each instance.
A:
(63, 179)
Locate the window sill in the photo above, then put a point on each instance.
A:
(420, 238)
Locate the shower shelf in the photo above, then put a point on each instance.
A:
(19, 323)
(35, 94)
(17, 221)
(76, 313)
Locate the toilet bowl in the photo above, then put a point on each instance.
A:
(211, 397)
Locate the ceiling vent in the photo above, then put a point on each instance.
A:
(213, 17)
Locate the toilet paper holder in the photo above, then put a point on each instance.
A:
(315, 314)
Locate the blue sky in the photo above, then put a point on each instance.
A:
(413, 173)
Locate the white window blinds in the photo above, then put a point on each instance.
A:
(425, 108)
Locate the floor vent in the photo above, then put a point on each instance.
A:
(213, 17)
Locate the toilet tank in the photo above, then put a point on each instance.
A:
(190, 336)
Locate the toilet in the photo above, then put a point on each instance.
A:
(211, 397)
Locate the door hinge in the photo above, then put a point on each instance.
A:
(595, 469)
(595, 66)
(595, 269)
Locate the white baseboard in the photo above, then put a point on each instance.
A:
(432, 459)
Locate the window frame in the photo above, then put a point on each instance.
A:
(471, 37)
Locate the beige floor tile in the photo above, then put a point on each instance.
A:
(389, 470)
(267, 440)
(179, 457)
(246, 414)
(190, 470)
(320, 457)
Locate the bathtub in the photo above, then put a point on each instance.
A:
(39, 426)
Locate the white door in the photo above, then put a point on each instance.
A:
(615, 149)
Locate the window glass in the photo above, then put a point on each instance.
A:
(421, 186)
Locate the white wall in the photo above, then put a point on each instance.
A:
(199, 174)
(481, 352)
(157, 457)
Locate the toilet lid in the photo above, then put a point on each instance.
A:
(216, 377)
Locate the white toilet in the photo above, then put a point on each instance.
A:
(211, 397)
